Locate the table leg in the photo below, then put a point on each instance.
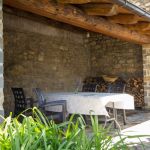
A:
(114, 114)
(124, 117)
(116, 124)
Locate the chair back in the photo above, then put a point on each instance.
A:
(20, 100)
(117, 87)
(40, 97)
(89, 87)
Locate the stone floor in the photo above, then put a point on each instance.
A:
(135, 117)
(135, 120)
(138, 123)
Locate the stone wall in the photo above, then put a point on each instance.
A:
(1, 61)
(54, 56)
(146, 68)
(145, 4)
(42, 53)
(111, 56)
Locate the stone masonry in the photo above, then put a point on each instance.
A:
(111, 56)
(1, 61)
(42, 53)
(53, 56)
(146, 68)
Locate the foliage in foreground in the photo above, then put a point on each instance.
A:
(37, 133)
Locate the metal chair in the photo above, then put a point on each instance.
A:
(42, 104)
(90, 87)
(21, 102)
(118, 87)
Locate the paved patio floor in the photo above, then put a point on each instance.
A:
(135, 117)
(138, 123)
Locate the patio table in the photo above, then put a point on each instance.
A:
(87, 103)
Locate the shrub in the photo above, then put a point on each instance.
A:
(37, 133)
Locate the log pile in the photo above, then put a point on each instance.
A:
(134, 86)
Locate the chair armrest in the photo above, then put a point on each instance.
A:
(62, 103)
(55, 103)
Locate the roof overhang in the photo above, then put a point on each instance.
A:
(102, 16)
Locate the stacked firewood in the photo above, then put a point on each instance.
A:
(134, 86)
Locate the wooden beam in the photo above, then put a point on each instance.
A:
(122, 10)
(82, 1)
(104, 9)
(140, 26)
(124, 19)
(74, 16)
(146, 32)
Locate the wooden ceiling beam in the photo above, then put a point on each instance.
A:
(124, 19)
(104, 9)
(146, 32)
(140, 26)
(76, 17)
(122, 10)
(82, 1)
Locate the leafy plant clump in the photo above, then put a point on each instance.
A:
(37, 133)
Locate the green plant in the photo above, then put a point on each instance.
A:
(37, 133)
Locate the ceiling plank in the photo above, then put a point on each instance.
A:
(82, 1)
(104, 9)
(76, 17)
(124, 19)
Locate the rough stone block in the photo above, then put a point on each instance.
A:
(1, 57)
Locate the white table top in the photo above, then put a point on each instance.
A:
(85, 102)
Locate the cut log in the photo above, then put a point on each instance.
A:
(140, 26)
(135, 87)
(100, 9)
(83, 1)
(147, 32)
(124, 19)
(123, 10)
(76, 17)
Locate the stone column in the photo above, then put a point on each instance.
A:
(146, 72)
(1, 61)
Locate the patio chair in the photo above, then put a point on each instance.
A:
(21, 101)
(42, 104)
(90, 87)
(118, 87)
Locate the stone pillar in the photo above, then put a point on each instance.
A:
(1, 61)
(146, 72)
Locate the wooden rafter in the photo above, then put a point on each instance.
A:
(146, 32)
(83, 1)
(104, 9)
(74, 16)
(124, 19)
(123, 10)
(140, 26)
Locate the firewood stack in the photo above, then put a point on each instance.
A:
(134, 86)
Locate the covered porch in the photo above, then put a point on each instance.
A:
(53, 45)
